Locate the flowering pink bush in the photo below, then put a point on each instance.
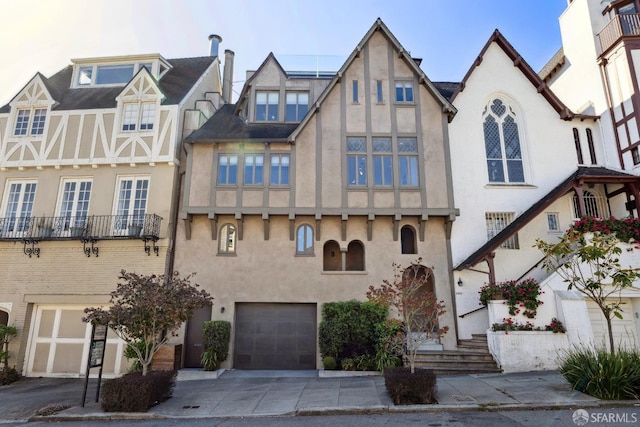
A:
(522, 297)
(626, 230)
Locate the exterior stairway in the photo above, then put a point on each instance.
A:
(471, 357)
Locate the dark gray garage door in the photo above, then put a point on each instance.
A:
(275, 336)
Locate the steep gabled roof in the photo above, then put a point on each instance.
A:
(583, 175)
(247, 85)
(175, 84)
(226, 126)
(527, 71)
(447, 107)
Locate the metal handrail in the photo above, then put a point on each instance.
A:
(472, 311)
(81, 227)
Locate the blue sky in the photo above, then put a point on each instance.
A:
(44, 35)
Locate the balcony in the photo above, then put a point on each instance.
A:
(622, 25)
(89, 230)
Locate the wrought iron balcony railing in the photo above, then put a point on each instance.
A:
(627, 24)
(89, 230)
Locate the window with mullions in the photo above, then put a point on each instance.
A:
(138, 116)
(227, 241)
(297, 106)
(279, 169)
(253, 167)
(408, 161)
(304, 240)
(502, 143)
(382, 162)
(18, 206)
(404, 91)
(227, 169)
(74, 205)
(357, 161)
(131, 205)
(37, 117)
(267, 106)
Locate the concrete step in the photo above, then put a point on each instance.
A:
(454, 355)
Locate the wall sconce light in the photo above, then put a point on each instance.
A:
(459, 281)
(221, 309)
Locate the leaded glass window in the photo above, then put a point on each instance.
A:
(502, 143)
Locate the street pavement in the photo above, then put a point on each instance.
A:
(234, 393)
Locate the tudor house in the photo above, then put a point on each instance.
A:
(89, 162)
(307, 189)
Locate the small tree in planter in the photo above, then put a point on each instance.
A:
(216, 337)
(144, 308)
(7, 374)
(593, 268)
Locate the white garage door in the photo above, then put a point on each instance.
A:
(624, 330)
(59, 345)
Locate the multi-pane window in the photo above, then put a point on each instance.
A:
(37, 117)
(297, 106)
(496, 222)
(382, 162)
(404, 91)
(131, 205)
(304, 240)
(635, 155)
(502, 143)
(253, 167)
(227, 242)
(227, 169)
(74, 205)
(408, 161)
(267, 106)
(594, 205)
(553, 224)
(18, 206)
(357, 161)
(279, 169)
(138, 114)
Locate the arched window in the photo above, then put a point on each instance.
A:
(576, 141)
(594, 205)
(355, 256)
(227, 241)
(502, 143)
(332, 259)
(304, 240)
(4, 318)
(408, 240)
(592, 148)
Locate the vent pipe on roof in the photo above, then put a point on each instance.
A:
(215, 43)
(227, 76)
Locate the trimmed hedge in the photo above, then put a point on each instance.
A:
(216, 335)
(348, 329)
(136, 393)
(406, 388)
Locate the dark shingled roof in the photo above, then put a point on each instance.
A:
(225, 126)
(596, 175)
(175, 84)
(446, 89)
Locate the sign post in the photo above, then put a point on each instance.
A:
(96, 357)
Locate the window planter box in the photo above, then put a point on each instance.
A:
(521, 351)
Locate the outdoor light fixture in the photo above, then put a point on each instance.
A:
(221, 309)
(459, 281)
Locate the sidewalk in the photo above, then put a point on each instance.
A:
(270, 393)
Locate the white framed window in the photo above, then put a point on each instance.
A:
(404, 91)
(227, 169)
(502, 143)
(227, 240)
(112, 74)
(496, 222)
(304, 240)
(30, 121)
(253, 169)
(279, 169)
(131, 204)
(138, 116)
(267, 106)
(73, 205)
(553, 223)
(357, 161)
(17, 207)
(297, 105)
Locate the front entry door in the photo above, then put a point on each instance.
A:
(194, 348)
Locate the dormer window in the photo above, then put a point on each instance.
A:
(115, 74)
(297, 106)
(36, 116)
(138, 116)
(267, 106)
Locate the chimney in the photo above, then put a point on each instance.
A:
(227, 77)
(215, 42)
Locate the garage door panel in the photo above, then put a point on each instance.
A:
(41, 357)
(68, 358)
(275, 336)
(45, 328)
(624, 330)
(71, 324)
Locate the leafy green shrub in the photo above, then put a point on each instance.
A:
(329, 363)
(388, 344)
(130, 353)
(216, 337)
(136, 393)
(6, 334)
(406, 388)
(602, 374)
(347, 329)
(9, 375)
